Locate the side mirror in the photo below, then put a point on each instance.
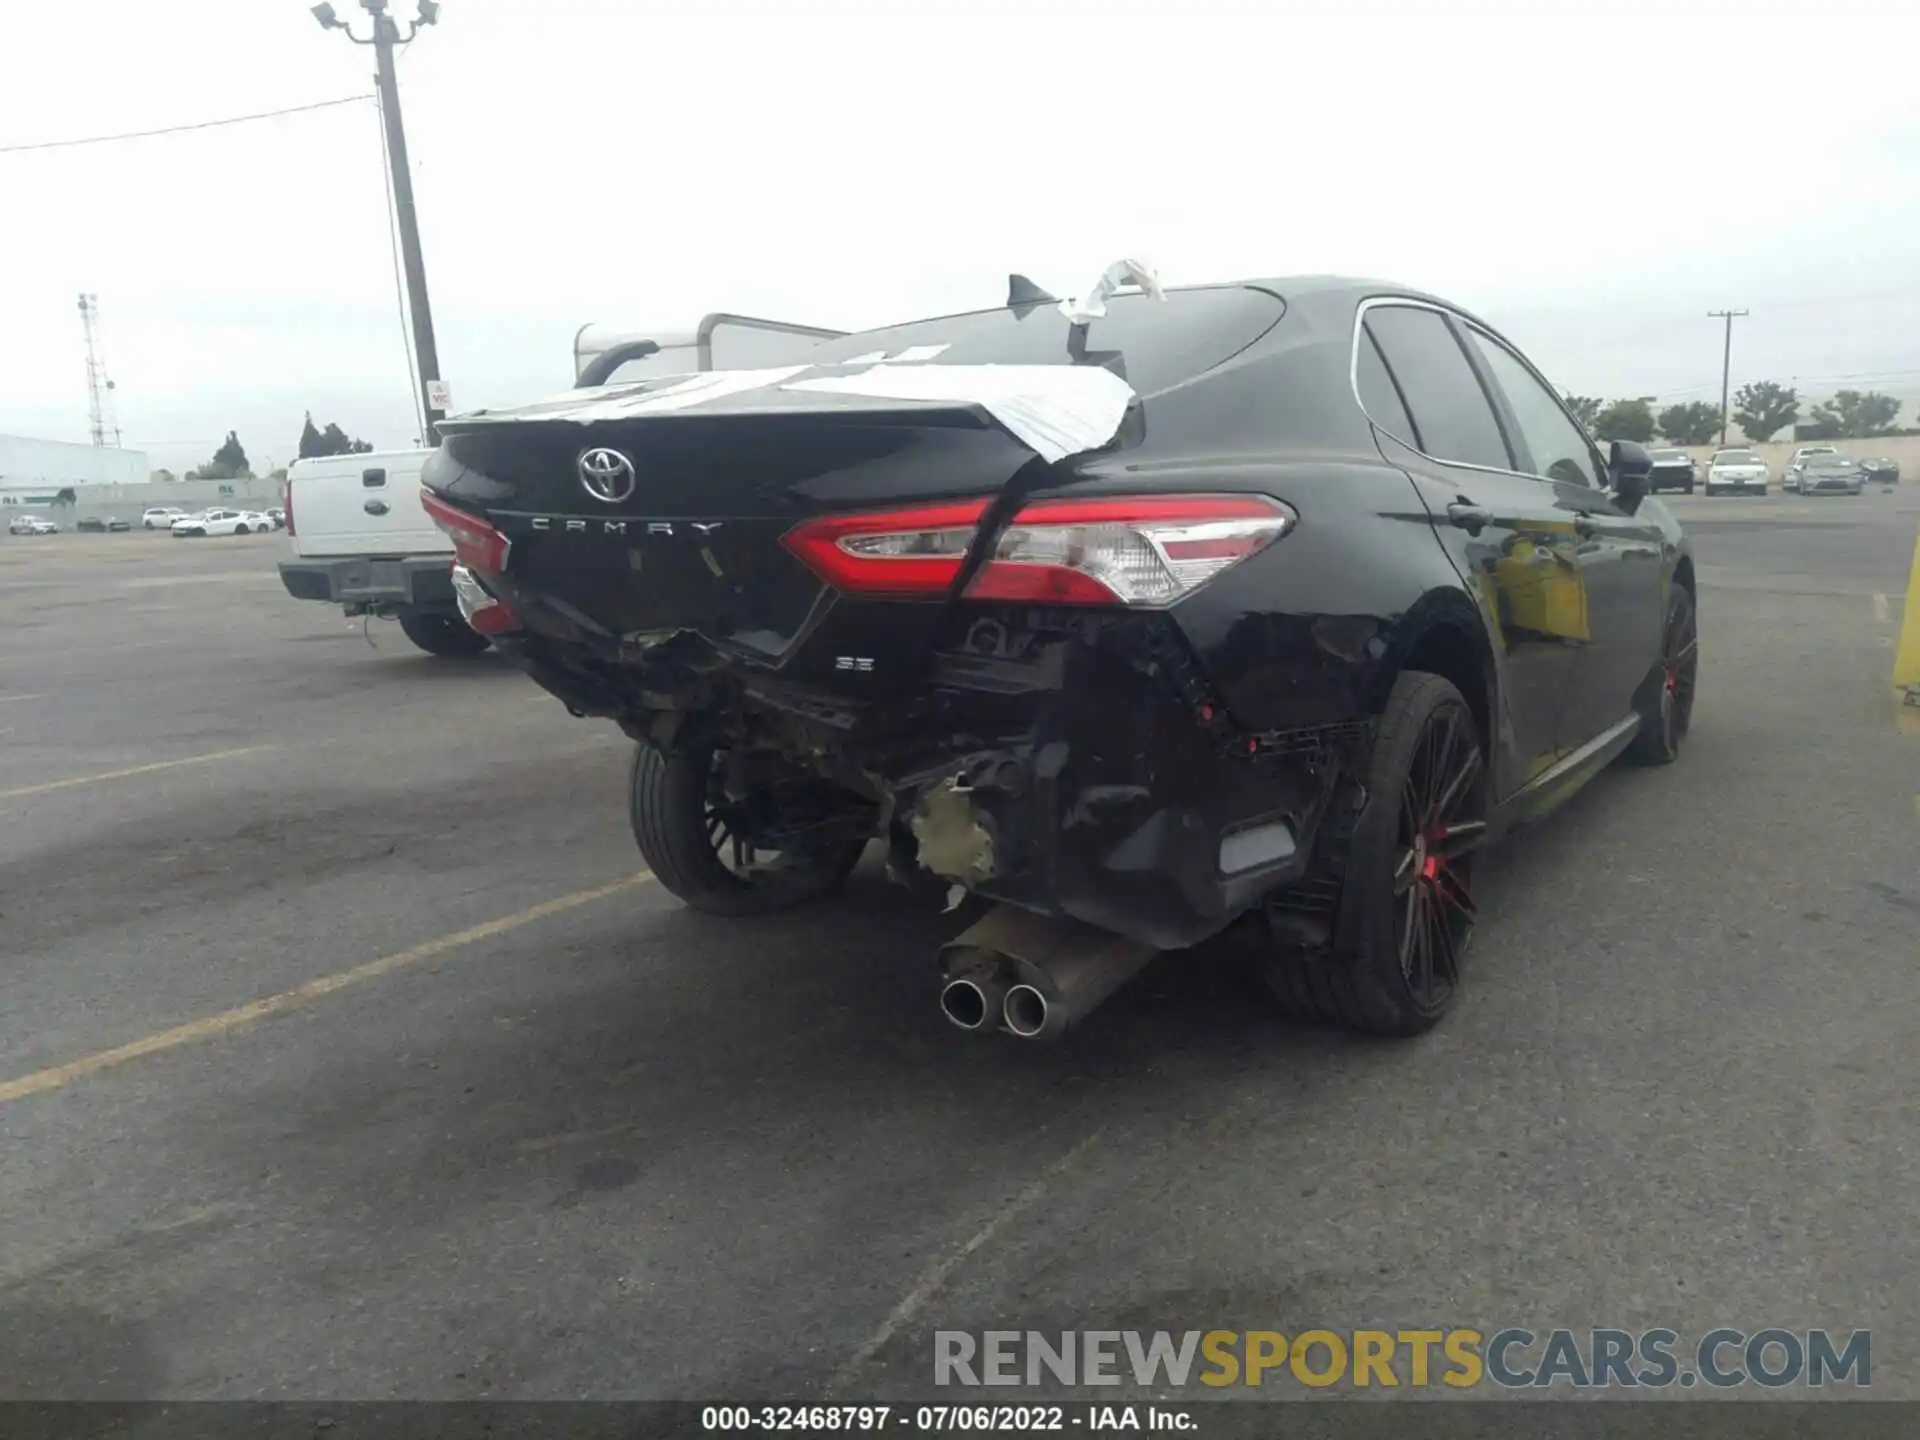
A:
(1631, 470)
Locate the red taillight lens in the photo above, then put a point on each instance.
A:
(475, 542)
(916, 551)
(484, 614)
(287, 505)
(1140, 550)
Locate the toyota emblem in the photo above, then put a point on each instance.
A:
(607, 475)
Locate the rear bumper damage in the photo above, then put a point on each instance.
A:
(1081, 771)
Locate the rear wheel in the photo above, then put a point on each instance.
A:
(441, 634)
(241, 530)
(773, 848)
(1666, 709)
(1408, 886)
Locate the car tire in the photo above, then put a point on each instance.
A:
(1406, 896)
(241, 530)
(1687, 489)
(680, 830)
(442, 634)
(1665, 702)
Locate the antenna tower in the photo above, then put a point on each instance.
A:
(100, 419)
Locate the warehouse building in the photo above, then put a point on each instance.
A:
(34, 472)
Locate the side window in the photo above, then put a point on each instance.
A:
(1454, 418)
(1559, 451)
(1379, 396)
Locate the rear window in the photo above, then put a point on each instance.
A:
(1669, 454)
(1160, 342)
(1736, 457)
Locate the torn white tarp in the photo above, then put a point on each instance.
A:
(1054, 410)
(1094, 305)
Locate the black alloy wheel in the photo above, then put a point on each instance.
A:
(1666, 710)
(779, 845)
(1433, 877)
(1407, 906)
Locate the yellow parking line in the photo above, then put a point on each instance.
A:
(43, 788)
(1906, 660)
(195, 1031)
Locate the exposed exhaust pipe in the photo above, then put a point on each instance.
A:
(975, 998)
(1034, 975)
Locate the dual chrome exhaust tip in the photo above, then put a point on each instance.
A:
(1033, 976)
(981, 999)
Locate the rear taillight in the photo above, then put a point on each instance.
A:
(484, 614)
(1141, 550)
(915, 551)
(476, 543)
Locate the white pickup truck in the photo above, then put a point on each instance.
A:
(362, 541)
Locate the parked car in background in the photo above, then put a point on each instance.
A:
(31, 525)
(1881, 471)
(160, 517)
(363, 541)
(1790, 477)
(102, 524)
(1833, 474)
(1736, 470)
(221, 522)
(1674, 470)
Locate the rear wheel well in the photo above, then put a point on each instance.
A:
(1683, 576)
(1449, 650)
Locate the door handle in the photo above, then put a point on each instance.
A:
(1468, 516)
(375, 507)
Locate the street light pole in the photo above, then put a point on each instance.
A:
(385, 39)
(1726, 365)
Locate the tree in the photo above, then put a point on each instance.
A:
(163, 477)
(66, 496)
(1763, 407)
(229, 461)
(279, 475)
(1585, 408)
(331, 441)
(1625, 420)
(1695, 423)
(1852, 415)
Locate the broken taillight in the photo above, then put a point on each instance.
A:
(484, 613)
(889, 552)
(1133, 550)
(476, 543)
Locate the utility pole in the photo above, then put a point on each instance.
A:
(385, 39)
(1726, 365)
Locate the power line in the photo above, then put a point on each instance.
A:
(181, 129)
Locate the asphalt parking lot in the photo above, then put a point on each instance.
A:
(346, 1053)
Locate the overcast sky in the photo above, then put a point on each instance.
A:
(1591, 177)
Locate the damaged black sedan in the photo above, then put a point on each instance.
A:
(1144, 615)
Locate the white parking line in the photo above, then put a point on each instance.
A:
(1882, 611)
(9, 699)
(935, 1277)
